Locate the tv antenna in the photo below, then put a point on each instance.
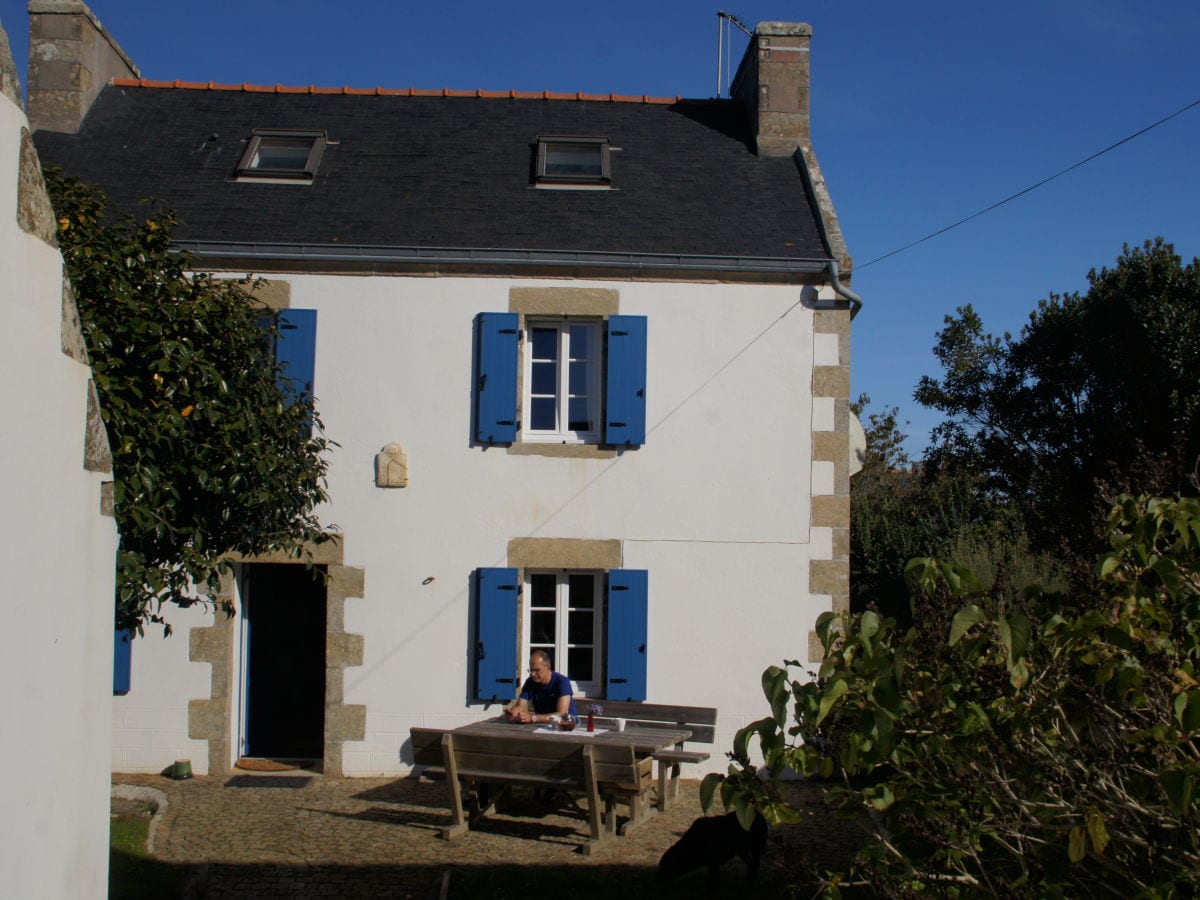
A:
(725, 21)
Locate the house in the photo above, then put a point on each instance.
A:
(587, 361)
(56, 556)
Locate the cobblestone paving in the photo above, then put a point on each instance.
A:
(300, 835)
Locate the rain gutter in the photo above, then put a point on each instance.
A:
(322, 253)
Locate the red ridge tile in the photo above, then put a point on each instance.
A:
(478, 93)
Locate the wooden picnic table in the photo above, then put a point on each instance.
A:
(564, 760)
(644, 739)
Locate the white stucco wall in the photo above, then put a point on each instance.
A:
(56, 581)
(715, 505)
(150, 722)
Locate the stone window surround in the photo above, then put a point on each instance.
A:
(560, 302)
(212, 719)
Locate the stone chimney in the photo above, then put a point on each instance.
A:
(71, 58)
(772, 85)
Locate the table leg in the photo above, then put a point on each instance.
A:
(460, 826)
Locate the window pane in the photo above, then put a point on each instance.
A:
(541, 626)
(579, 627)
(545, 343)
(581, 341)
(582, 591)
(278, 154)
(579, 375)
(542, 414)
(580, 414)
(573, 159)
(545, 378)
(541, 590)
(579, 664)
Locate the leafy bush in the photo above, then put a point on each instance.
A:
(1007, 748)
(210, 455)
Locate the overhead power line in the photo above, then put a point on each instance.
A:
(1032, 187)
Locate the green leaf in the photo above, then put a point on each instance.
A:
(1179, 785)
(708, 787)
(836, 690)
(1187, 710)
(1096, 830)
(774, 685)
(965, 619)
(1077, 846)
(825, 622)
(746, 812)
(868, 625)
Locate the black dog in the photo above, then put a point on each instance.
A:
(711, 841)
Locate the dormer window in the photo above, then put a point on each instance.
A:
(282, 155)
(573, 161)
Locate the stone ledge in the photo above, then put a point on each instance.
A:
(831, 512)
(327, 553)
(831, 446)
(563, 301)
(34, 213)
(345, 581)
(564, 553)
(10, 82)
(829, 576)
(831, 321)
(346, 723)
(342, 650)
(209, 644)
(207, 721)
(831, 381)
(562, 451)
(97, 457)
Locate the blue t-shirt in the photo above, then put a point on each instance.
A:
(543, 698)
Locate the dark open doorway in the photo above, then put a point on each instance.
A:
(284, 665)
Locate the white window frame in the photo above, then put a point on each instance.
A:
(562, 645)
(563, 434)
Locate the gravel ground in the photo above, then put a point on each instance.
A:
(302, 835)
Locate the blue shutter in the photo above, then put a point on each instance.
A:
(122, 660)
(496, 378)
(296, 346)
(627, 607)
(625, 391)
(496, 635)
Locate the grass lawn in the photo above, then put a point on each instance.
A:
(132, 872)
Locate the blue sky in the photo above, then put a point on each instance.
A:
(923, 113)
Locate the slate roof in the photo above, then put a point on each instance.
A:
(445, 171)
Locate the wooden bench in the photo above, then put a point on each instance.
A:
(700, 720)
(606, 774)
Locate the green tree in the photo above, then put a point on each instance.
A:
(899, 510)
(1005, 751)
(1100, 393)
(211, 456)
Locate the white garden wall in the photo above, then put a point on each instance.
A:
(56, 576)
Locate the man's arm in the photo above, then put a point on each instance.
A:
(564, 704)
(518, 711)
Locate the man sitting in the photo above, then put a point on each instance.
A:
(545, 696)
